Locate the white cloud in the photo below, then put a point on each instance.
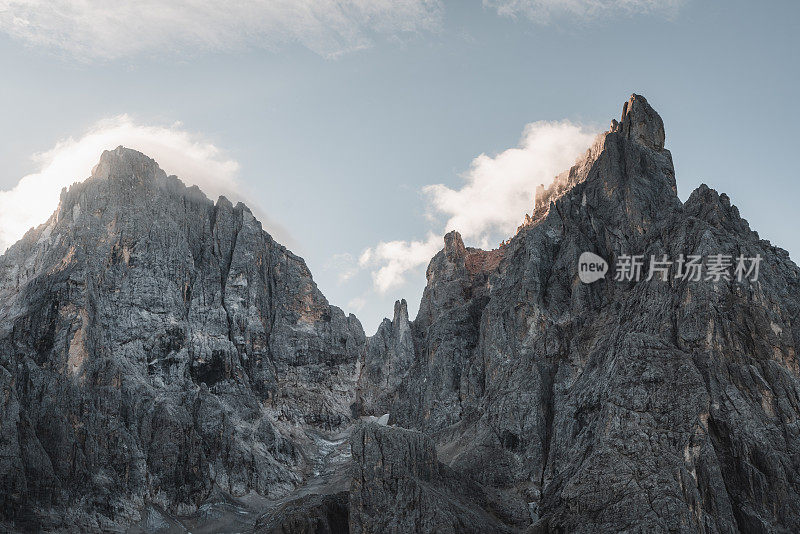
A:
(546, 11)
(195, 160)
(497, 192)
(390, 261)
(99, 29)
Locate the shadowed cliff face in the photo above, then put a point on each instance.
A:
(163, 361)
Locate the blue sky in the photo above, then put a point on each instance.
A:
(333, 123)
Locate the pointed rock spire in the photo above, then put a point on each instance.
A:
(454, 246)
(641, 123)
(400, 312)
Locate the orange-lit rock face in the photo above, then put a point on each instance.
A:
(482, 261)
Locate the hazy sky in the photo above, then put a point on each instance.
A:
(360, 131)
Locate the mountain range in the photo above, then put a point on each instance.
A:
(167, 366)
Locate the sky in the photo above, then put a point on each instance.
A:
(360, 131)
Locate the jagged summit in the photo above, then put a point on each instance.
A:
(125, 185)
(125, 178)
(121, 161)
(125, 172)
(637, 141)
(640, 123)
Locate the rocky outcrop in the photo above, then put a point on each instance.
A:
(389, 356)
(446, 334)
(310, 514)
(400, 486)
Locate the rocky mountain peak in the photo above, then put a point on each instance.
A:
(125, 178)
(214, 355)
(641, 123)
(400, 312)
(454, 246)
(127, 164)
(639, 140)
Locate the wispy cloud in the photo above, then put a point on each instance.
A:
(546, 11)
(99, 29)
(194, 159)
(496, 193)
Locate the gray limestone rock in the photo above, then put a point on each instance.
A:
(389, 355)
(309, 514)
(400, 486)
